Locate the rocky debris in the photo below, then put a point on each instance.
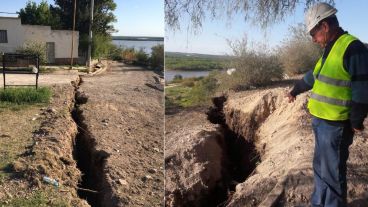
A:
(147, 177)
(153, 170)
(123, 182)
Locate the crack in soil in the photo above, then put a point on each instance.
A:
(90, 161)
(241, 156)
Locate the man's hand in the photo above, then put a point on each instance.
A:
(290, 97)
(357, 130)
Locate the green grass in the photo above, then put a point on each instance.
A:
(47, 70)
(23, 96)
(178, 96)
(38, 198)
(191, 92)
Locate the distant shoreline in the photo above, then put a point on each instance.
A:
(137, 38)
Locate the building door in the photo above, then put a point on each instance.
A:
(50, 52)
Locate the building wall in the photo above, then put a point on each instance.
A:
(14, 32)
(62, 39)
(18, 34)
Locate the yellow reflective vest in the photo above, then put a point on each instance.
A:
(331, 92)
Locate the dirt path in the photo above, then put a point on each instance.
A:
(64, 77)
(122, 123)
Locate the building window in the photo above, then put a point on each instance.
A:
(3, 36)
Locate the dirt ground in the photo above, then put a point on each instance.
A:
(283, 139)
(122, 126)
(124, 117)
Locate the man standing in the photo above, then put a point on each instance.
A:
(338, 102)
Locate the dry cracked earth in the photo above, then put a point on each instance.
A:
(100, 138)
(251, 148)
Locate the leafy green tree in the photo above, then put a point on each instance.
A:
(103, 16)
(41, 14)
(102, 27)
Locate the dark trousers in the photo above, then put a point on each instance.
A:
(332, 141)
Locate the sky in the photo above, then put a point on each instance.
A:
(212, 39)
(134, 17)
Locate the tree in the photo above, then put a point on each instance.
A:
(264, 12)
(41, 14)
(102, 22)
(102, 15)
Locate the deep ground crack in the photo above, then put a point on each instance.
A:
(241, 155)
(90, 162)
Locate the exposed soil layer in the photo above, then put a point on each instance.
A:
(51, 153)
(256, 124)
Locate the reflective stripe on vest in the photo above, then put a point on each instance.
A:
(331, 92)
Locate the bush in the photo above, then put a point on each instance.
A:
(157, 57)
(129, 55)
(188, 82)
(177, 78)
(34, 48)
(115, 53)
(101, 45)
(141, 57)
(204, 89)
(298, 53)
(253, 67)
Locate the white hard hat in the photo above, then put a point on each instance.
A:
(317, 13)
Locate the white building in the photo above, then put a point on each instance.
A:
(13, 35)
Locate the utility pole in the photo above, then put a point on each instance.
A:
(90, 37)
(71, 52)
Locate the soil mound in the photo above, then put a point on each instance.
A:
(282, 137)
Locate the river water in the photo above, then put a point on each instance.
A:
(170, 74)
(137, 45)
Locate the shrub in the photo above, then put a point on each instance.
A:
(298, 53)
(101, 45)
(204, 89)
(253, 67)
(115, 53)
(188, 82)
(177, 78)
(141, 57)
(34, 48)
(157, 57)
(129, 55)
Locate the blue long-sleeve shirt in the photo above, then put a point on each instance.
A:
(356, 64)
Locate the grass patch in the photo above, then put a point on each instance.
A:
(38, 198)
(191, 92)
(47, 70)
(178, 96)
(23, 96)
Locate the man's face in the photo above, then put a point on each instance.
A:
(319, 34)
